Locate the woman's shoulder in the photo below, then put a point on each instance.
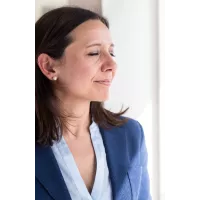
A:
(135, 138)
(133, 128)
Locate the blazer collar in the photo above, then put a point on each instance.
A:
(115, 142)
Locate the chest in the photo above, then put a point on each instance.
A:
(85, 159)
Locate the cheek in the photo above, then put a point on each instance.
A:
(82, 76)
(78, 74)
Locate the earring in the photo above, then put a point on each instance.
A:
(54, 78)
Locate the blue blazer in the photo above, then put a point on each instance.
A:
(127, 162)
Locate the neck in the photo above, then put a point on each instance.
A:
(78, 118)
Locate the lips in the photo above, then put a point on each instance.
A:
(104, 82)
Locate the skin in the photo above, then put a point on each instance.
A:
(89, 58)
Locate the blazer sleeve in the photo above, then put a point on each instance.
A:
(144, 190)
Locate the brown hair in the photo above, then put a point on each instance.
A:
(52, 37)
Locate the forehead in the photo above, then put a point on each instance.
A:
(91, 31)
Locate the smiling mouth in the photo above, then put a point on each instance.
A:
(106, 83)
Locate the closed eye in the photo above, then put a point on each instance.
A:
(97, 53)
(94, 54)
(112, 54)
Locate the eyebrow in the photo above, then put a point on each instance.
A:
(98, 44)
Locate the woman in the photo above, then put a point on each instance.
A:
(83, 151)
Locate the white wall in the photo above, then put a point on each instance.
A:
(162, 127)
(180, 101)
(94, 5)
(41, 6)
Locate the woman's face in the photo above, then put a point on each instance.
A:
(87, 60)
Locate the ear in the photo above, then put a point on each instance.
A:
(47, 66)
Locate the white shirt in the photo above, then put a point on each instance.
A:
(75, 184)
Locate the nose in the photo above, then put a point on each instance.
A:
(109, 64)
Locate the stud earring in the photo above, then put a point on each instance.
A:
(54, 78)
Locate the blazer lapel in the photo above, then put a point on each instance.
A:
(48, 173)
(117, 158)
